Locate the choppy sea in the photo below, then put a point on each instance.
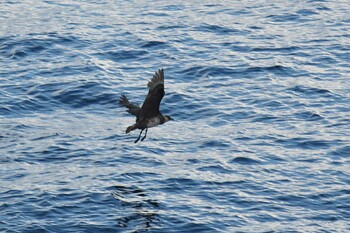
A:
(260, 94)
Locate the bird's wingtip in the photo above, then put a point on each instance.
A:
(123, 100)
(158, 78)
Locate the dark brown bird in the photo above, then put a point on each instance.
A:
(148, 115)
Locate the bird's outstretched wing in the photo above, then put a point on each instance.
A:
(132, 108)
(156, 92)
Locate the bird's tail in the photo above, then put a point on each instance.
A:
(131, 128)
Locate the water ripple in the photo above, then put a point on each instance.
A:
(258, 91)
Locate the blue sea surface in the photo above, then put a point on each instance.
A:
(260, 94)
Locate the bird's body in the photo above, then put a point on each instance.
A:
(148, 115)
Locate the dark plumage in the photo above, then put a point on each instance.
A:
(148, 115)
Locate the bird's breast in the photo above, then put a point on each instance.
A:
(152, 122)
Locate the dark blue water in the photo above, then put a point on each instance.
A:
(260, 93)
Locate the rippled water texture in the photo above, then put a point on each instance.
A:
(259, 91)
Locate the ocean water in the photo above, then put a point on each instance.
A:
(259, 91)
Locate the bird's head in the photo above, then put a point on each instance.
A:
(168, 118)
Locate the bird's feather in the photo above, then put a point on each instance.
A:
(155, 95)
(132, 108)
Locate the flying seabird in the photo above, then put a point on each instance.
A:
(148, 115)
